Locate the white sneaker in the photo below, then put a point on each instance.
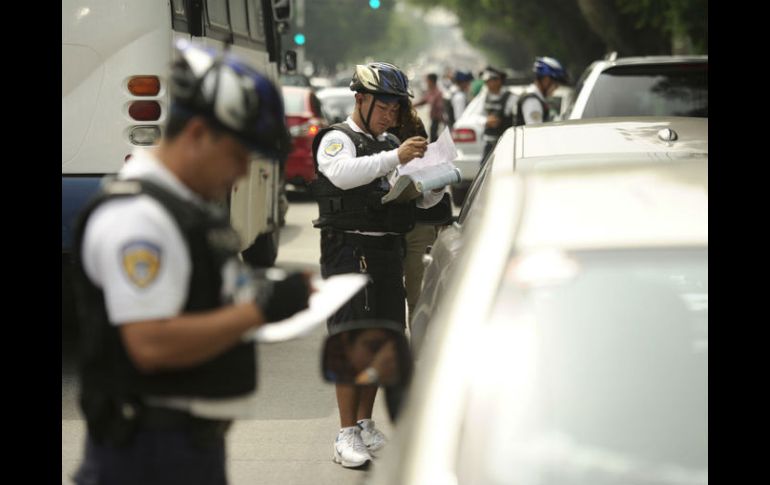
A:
(349, 450)
(372, 437)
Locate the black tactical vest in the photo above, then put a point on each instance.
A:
(359, 208)
(497, 107)
(520, 115)
(104, 364)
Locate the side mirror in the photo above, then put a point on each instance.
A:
(370, 353)
(290, 60)
(281, 10)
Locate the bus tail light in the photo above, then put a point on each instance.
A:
(144, 85)
(144, 110)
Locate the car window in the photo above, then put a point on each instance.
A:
(470, 204)
(650, 90)
(607, 365)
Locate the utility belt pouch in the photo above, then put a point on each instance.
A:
(111, 420)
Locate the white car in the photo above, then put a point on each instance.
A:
(543, 146)
(643, 86)
(572, 347)
(468, 130)
(337, 102)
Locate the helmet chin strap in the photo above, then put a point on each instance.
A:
(368, 117)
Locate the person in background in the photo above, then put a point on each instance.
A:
(532, 106)
(435, 99)
(499, 108)
(424, 234)
(164, 302)
(459, 96)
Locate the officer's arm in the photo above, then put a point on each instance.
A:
(337, 160)
(188, 339)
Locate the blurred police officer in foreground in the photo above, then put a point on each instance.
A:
(164, 301)
(360, 234)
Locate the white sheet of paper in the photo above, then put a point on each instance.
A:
(329, 296)
(442, 150)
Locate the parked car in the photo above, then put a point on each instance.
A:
(337, 102)
(643, 86)
(544, 146)
(468, 130)
(572, 346)
(305, 118)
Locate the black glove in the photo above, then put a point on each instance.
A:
(282, 298)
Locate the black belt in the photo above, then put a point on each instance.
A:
(388, 241)
(159, 418)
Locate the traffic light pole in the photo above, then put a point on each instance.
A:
(300, 9)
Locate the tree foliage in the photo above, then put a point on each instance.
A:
(579, 31)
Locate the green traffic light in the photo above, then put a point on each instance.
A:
(299, 39)
(375, 4)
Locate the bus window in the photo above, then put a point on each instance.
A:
(238, 18)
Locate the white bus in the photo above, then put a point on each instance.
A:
(115, 59)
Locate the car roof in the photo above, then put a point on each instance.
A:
(639, 60)
(611, 206)
(334, 92)
(614, 139)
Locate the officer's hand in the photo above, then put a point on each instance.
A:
(493, 121)
(282, 298)
(412, 148)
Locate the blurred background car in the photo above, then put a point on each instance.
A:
(295, 79)
(467, 133)
(621, 140)
(644, 86)
(305, 118)
(574, 348)
(337, 102)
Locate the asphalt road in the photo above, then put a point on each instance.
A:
(290, 439)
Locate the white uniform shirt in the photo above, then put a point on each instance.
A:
(459, 100)
(531, 108)
(133, 245)
(337, 160)
(142, 227)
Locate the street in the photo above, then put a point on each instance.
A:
(290, 439)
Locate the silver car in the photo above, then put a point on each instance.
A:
(566, 143)
(643, 86)
(468, 130)
(572, 345)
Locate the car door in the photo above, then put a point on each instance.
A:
(442, 257)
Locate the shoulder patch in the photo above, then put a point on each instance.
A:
(141, 262)
(537, 116)
(333, 147)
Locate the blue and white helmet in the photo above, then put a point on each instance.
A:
(548, 66)
(233, 95)
(380, 78)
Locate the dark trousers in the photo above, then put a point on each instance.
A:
(382, 258)
(171, 455)
(434, 124)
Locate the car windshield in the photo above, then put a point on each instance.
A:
(596, 374)
(650, 90)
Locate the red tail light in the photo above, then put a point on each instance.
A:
(144, 110)
(463, 135)
(144, 85)
(312, 130)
